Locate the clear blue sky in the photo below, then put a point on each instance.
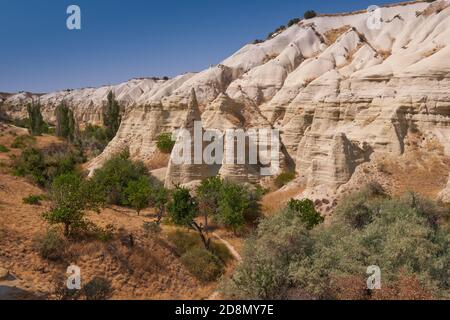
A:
(121, 39)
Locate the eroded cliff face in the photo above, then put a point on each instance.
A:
(339, 92)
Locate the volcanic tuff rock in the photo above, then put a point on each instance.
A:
(339, 91)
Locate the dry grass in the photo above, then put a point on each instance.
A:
(158, 160)
(274, 201)
(332, 35)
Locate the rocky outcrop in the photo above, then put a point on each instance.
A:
(339, 91)
(445, 194)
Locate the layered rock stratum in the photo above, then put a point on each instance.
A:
(340, 91)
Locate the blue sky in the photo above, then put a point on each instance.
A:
(121, 39)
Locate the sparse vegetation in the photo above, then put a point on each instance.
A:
(203, 264)
(196, 258)
(23, 141)
(293, 21)
(50, 245)
(94, 138)
(284, 178)
(3, 148)
(98, 289)
(33, 199)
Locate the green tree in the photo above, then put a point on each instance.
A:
(71, 197)
(208, 196)
(36, 124)
(306, 211)
(65, 123)
(238, 204)
(183, 210)
(111, 116)
(138, 193)
(159, 198)
(165, 143)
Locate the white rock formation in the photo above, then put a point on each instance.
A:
(338, 90)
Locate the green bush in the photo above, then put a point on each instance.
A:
(51, 245)
(293, 21)
(115, 175)
(33, 199)
(399, 235)
(306, 211)
(284, 178)
(165, 143)
(204, 265)
(3, 148)
(310, 14)
(98, 289)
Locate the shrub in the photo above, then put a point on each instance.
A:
(23, 141)
(98, 289)
(3, 148)
(284, 178)
(165, 143)
(50, 245)
(151, 228)
(306, 211)
(44, 165)
(115, 175)
(33, 199)
(22, 123)
(31, 163)
(138, 193)
(111, 116)
(293, 21)
(310, 14)
(393, 233)
(204, 265)
(94, 138)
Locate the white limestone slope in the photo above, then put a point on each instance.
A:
(338, 90)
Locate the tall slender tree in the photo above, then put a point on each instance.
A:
(65, 123)
(36, 125)
(111, 116)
